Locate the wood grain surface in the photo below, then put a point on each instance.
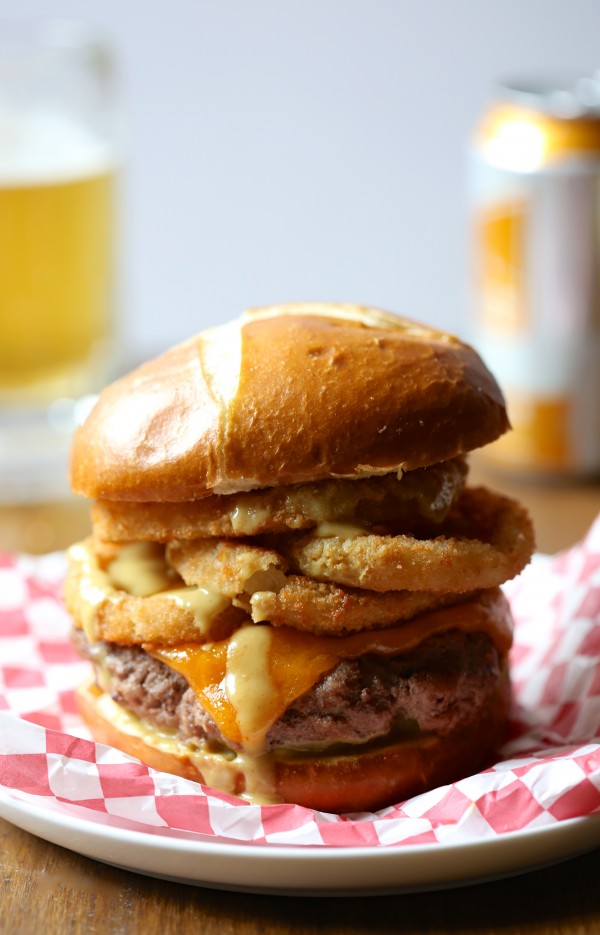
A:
(46, 889)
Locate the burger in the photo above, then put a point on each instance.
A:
(290, 593)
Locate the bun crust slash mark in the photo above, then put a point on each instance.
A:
(410, 396)
(291, 592)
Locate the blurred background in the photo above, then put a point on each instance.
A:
(307, 149)
(276, 150)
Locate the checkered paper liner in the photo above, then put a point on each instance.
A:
(549, 770)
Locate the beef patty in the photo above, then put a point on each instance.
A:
(441, 685)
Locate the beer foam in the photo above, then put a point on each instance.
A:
(42, 147)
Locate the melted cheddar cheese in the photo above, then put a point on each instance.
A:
(247, 681)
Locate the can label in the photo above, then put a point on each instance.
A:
(536, 270)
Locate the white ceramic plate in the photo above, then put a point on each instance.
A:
(314, 871)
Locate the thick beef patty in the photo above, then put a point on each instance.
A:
(443, 684)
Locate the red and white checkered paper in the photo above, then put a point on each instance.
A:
(549, 771)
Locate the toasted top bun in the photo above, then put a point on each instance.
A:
(284, 395)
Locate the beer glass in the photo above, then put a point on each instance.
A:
(58, 165)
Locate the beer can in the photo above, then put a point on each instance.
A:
(535, 249)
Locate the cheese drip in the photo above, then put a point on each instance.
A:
(247, 681)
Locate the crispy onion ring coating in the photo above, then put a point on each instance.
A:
(427, 493)
(110, 613)
(232, 568)
(320, 584)
(325, 608)
(255, 580)
(236, 570)
(486, 539)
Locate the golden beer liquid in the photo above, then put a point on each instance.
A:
(56, 283)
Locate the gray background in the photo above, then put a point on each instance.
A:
(308, 149)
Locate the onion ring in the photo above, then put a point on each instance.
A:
(255, 579)
(426, 493)
(328, 609)
(109, 613)
(231, 568)
(487, 539)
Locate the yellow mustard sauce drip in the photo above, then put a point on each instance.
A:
(249, 684)
(140, 569)
(203, 603)
(94, 587)
(247, 519)
(341, 530)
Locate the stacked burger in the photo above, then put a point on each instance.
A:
(290, 593)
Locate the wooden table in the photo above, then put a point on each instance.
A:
(46, 889)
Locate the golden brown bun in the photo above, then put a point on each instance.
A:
(284, 396)
(360, 781)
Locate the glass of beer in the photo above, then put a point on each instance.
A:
(58, 165)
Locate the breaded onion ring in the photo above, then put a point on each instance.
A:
(427, 493)
(106, 612)
(254, 578)
(117, 616)
(324, 608)
(232, 568)
(487, 539)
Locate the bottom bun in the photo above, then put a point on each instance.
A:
(364, 779)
